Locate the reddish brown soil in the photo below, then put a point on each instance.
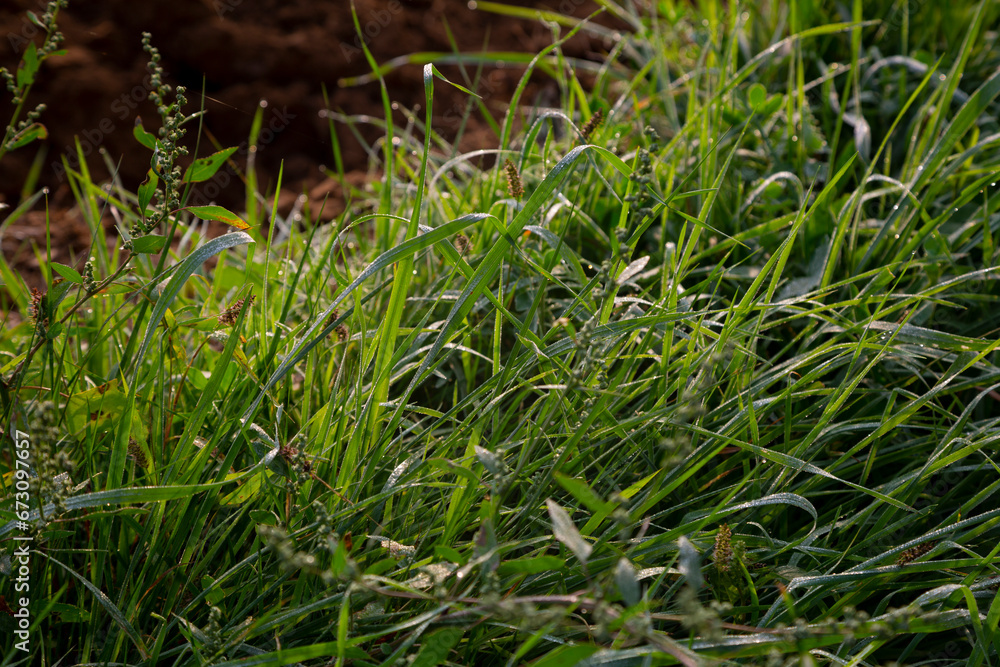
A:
(245, 51)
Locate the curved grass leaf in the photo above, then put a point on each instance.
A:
(311, 338)
(116, 615)
(218, 214)
(34, 132)
(181, 274)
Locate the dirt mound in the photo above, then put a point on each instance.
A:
(241, 52)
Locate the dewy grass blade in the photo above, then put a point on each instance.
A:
(400, 285)
(745, 388)
(930, 167)
(116, 615)
(119, 450)
(490, 265)
(315, 334)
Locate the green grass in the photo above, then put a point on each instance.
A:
(721, 387)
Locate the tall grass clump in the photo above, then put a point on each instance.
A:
(703, 370)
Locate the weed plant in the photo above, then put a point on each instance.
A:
(703, 371)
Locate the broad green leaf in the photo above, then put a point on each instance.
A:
(266, 517)
(27, 135)
(242, 494)
(67, 272)
(96, 404)
(450, 466)
(219, 214)
(142, 136)
(204, 168)
(146, 190)
(29, 66)
(152, 243)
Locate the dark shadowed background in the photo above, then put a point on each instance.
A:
(243, 52)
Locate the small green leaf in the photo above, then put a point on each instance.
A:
(149, 244)
(449, 554)
(142, 136)
(689, 562)
(449, 466)
(756, 95)
(219, 214)
(215, 596)
(67, 272)
(435, 647)
(29, 66)
(583, 493)
(265, 517)
(627, 583)
(147, 189)
(493, 463)
(27, 135)
(769, 107)
(566, 532)
(33, 17)
(204, 168)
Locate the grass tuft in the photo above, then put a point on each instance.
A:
(716, 385)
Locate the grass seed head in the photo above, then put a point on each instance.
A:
(341, 330)
(514, 185)
(592, 124)
(228, 317)
(913, 553)
(36, 308)
(139, 456)
(723, 548)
